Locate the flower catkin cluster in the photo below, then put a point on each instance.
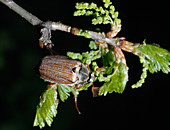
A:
(102, 15)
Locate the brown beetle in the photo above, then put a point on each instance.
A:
(63, 70)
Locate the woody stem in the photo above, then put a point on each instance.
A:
(22, 12)
(58, 25)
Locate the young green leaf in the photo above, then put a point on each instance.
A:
(47, 107)
(108, 58)
(155, 58)
(117, 82)
(64, 91)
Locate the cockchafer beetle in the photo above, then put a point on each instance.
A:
(63, 70)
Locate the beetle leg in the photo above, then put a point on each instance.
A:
(75, 97)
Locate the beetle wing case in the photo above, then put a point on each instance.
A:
(59, 69)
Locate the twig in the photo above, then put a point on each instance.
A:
(22, 12)
(58, 25)
(93, 35)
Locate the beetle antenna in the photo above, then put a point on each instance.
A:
(75, 98)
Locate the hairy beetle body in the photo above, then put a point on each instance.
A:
(63, 70)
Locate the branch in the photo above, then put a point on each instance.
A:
(22, 12)
(58, 26)
(79, 32)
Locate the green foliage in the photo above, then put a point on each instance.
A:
(64, 91)
(93, 45)
(114, 75)
(84, 33)
(47, 107)
(155, 58)
(117, 81)
(75, 55)
(102, 15)
(86, 57)
(113, 72)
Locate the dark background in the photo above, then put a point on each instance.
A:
(146, 108)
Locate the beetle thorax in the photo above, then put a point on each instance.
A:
(84, 75)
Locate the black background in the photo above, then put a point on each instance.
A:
(143, 108)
